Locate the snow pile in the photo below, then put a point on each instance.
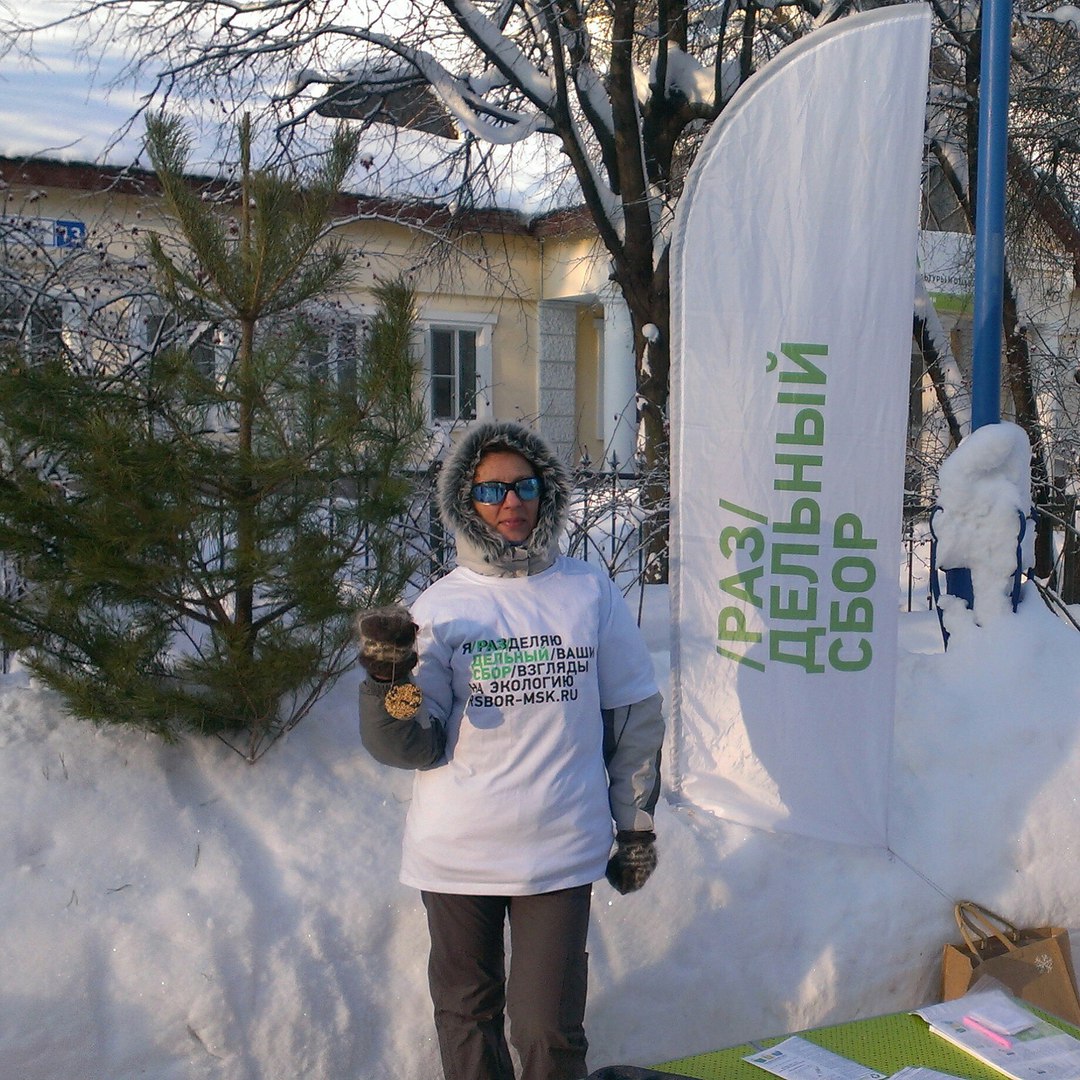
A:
(171, 912)
(174, 912)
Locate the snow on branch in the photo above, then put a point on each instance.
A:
(687, 77)
(504, 54)
(470, 110)
(594, 98)
(1066, 15)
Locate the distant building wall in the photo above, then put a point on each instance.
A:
(531, 298)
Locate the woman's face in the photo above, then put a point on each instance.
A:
(513, 519)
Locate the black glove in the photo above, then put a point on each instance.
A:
(634, 860)
(387, 642)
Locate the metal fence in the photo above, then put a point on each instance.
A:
(608, 527)
(915, 568)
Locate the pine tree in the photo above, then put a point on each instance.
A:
(196, 544)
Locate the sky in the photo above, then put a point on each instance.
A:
(60, 103)
(171, 912)
(71, 101)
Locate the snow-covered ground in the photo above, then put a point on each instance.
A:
(170, 912)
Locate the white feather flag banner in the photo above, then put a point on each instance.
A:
(794, 261)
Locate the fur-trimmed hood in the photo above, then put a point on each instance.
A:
(480, 548)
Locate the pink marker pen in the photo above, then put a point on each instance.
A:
(993, 1036)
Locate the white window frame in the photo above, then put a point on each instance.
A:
(191, 330)
(344, 335)
(482, 325)
(29, 329)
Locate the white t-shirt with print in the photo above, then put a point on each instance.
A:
(518, 669)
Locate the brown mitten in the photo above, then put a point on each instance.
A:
(387, 642)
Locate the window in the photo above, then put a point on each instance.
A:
(453, 374)
(36, 323)
(163, 330)
(457, 353)
(330, 353)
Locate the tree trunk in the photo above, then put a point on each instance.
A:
(932, 363)
(1021, 385)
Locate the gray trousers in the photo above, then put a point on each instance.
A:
(544, 993)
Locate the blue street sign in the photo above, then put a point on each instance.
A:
(69, 234)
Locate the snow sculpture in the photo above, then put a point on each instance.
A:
(984, 492)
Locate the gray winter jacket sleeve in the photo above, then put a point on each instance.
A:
(633, 737)
(403, 744)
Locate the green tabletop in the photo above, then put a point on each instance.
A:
(884, 1043)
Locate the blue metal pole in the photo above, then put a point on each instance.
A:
(990, 212)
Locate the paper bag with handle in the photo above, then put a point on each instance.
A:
(1034, 963)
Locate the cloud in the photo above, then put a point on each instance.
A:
(62, 103)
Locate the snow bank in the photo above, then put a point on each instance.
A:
(171, 912)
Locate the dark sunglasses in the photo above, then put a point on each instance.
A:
(492, 492)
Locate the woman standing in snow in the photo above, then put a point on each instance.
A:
(534, 723)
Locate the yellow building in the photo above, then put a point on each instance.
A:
(518, 317)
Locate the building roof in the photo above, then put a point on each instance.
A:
(36, 172)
